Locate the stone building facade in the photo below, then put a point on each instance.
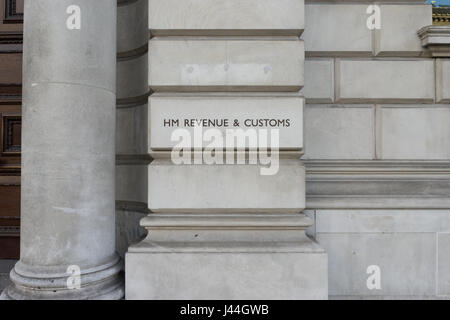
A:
(360, 206)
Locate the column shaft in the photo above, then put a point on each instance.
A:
(68, 199)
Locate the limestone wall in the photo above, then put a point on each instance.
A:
(377, 145)
(376, 127)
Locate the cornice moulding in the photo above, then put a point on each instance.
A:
(436, 39)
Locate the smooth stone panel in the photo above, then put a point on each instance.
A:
(443, 278)
(286, 276)
(132, 130)
(229, 108)
(415, 132)
(407, 263)
(382, 221)
(388, 81)
(132, 25)
(226, 65)
(399, 26)
(132, 77)
(345, 30)
(231, 17)
(338, 132)
(319, 81)
(225, 188)
(443, 80)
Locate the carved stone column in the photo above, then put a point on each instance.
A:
(68, 156)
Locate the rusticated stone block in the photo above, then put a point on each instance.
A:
(226, 65)
(231, 17)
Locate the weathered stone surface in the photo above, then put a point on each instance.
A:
(399, 26)
(319, 81)
(128, 230)
(415, 132)
(52, 57)
(132, 77)
(226, 65)
(407, 263)
(225, 188)
(132, 25)
(345, 30)
(387, 81)
(132, 130)
(246, 109)
(339, 132)
(131, 183)
(233, 17)
(382, 221)
(67, 203)
(226, 275)
(405, 244)
(443, 80)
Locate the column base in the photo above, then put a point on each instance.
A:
(103, 283)
(253, 256)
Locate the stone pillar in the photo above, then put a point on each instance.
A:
(226, 231)
(132, 158)
(68, 157)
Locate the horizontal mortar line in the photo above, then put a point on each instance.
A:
(226, 88)
(373, 208)
(363, 56)
(231, 250)
(368, 178)
(406, 101)
(223, 34)
(377, 165)
(381, 171)
(132, 54)
(364, 103)
(376, 196)
(34, 84)
(376, 232)
(224, 38)
(224, 227)
(227, 94)
(380, 212)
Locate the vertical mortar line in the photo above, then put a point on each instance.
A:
(436, 274)
(337, 85)
(333, 80)
(437, 80)
(378, 131)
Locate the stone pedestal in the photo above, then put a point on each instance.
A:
(226, 231)
(227, 256)
(68, 158)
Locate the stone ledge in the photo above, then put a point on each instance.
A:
(436, 39)
(377, 184)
